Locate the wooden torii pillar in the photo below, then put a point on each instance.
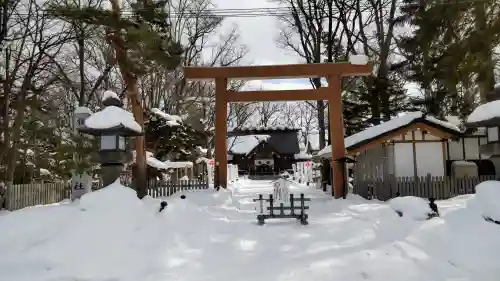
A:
(332, 93)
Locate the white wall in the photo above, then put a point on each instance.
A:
(471, 149)
(430, 159)
(429, 155)
(403, 159)
(390, 160)
(456, 150)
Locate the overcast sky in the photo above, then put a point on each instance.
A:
(259, 35)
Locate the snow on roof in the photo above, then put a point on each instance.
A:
(162, 165)
(266, 128)
(155, 163)
(485, 112)
(109, 94)
(150, 160)
(202, 159)
(394, 124)
(455, 120)
(178, 164)
(302, 155)
(112, 116)
(245, 144)
(83, 110)
(45, 172)
(172, 120)
(441, 123)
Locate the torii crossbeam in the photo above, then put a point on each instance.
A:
(332, 93)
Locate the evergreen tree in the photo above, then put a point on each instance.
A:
(360, 95)
(169, 138)
(143, 33)
(141, 40)
(442, 55)
(425, 57)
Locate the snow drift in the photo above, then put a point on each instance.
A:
(488, 196)
(413, 207)
(112, 235)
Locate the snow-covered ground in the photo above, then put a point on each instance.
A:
(111, 235)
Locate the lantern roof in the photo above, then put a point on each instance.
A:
(110, 98)
(112, 120)
(488, 114)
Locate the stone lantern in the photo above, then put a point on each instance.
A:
(112, 124)
(81, 114)
(488, 116)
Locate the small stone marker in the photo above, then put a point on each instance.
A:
(80, 184)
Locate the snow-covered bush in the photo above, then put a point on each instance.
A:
(488, 196)
(412, 207)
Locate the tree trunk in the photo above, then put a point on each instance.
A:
(486, 76)
(81, 55)
(130, 79)
(140, 141)
(16, 134)
(329, 46)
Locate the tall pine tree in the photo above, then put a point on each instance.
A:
(449, 49)
(141, 39)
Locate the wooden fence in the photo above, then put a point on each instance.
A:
(426, 187)
(25, 195)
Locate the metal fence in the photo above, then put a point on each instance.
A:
(426, 187)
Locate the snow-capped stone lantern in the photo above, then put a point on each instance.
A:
(488, 116)
(112, 124)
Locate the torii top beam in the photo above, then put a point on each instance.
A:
(278, 71)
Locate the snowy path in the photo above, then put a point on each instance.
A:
(246, 190)
(111, 236)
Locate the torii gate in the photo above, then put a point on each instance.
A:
(332, 93)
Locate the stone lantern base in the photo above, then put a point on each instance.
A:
(110, 172)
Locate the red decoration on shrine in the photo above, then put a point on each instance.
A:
(211, 162)
(308, 164)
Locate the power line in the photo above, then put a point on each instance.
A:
(261, 12)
